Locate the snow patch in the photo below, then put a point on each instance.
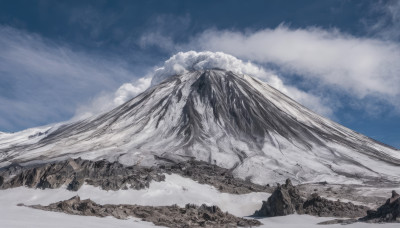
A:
(174, 190)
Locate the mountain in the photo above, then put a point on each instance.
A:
(226, 118)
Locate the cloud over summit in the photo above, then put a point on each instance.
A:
(360, 66)
(192, 60)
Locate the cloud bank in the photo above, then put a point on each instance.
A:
(360, 66)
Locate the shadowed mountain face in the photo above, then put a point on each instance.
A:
(234, 121)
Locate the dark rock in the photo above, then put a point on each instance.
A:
(113, 176)
(284, 200)
(339, 221)
(75, 172)
(321, 207)
(206, 173)
(394, 197)
(75, 184)
(389, 212)
(170, 216)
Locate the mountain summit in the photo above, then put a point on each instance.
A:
(224, 117)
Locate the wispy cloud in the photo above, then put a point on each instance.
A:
(42, 81)
(164, 30)
(106, 101)
(387, 26)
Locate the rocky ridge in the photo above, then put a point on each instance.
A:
(348, 192)
(114, 176)
(220, 178)
(286, 199)
(169, 216)
(387, 213)
(319, 206)
(75, 172)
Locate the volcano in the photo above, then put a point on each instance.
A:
(216, 115)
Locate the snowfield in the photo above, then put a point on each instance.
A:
(175, 190)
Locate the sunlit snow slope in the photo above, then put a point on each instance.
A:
(222, 117)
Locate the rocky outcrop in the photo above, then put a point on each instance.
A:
(206, 173)
(389, 212)
(286, 199)
(322, 207)
(169, 216)
(75, 172)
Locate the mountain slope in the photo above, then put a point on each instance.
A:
(222, 117)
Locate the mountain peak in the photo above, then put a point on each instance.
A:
(184, 62)
(225, 118)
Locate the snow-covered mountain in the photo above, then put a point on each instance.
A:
(210, 112)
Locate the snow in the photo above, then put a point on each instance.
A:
(307, 221)
(175, 190)
(27, 136)
(12, 216)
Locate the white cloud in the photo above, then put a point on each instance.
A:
(129, 90)
(191, 60)
(186, 61)
(359, 66)
(107, 101)
(332, 61)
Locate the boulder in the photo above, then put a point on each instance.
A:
(284, 200)
(388, 212)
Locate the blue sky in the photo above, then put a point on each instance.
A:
(59, 59)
